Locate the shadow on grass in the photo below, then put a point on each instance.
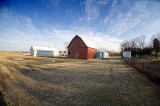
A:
(105, 86)
(2, 101)
(92, 88)
(65, 75)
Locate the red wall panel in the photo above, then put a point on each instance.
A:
(78, 49)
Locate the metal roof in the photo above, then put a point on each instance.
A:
(87, 42)
(43, 48)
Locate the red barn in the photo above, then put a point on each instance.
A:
(81, 48)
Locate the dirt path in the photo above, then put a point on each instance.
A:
(94, 82)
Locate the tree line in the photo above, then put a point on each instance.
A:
(139, 48)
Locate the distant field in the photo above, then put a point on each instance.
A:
(41, 82)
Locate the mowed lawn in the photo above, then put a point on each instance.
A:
(71, 82)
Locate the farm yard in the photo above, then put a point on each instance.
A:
(26, 80)
(147, 66)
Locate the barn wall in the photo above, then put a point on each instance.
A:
(91, 54)
(47, 53)
(78, 49)
(55, 53)
(73, 52)
(75, 48)
(83, 53)
(77, 42)
(44, 53)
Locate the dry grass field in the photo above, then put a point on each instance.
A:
(36, 81)
(147, 66)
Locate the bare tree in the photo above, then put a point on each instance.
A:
(141, 41)
(138, 42)
(66, 45)
(134, 43)
(125, 45)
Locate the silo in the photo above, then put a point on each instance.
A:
(107, 55)
(99, 54)
(104, 55)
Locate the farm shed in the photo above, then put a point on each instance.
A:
(81, 48)
(101, 54)
(62, 53)
(126, 54)
(44, 51)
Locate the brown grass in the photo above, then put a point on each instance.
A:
(73, 82)
(148, 67)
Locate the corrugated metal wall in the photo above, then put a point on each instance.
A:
(100, 54)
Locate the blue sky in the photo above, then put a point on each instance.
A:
(106, 23)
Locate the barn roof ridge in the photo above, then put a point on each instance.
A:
(86, 41)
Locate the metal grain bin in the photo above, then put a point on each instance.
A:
(98, 54)
(101, 54)
(126, 54)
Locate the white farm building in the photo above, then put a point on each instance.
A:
(126, 54)
(44, 51)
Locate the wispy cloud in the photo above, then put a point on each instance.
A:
(92, 9)
(123, 20)
(103, 2)
(25, 34)
(105, 22)
(114, 3)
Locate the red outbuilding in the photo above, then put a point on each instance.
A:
(81, 48)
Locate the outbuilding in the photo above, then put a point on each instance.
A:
(102, 54)
(81, 48)
(126, 54)
(62, 53)
(44, 51)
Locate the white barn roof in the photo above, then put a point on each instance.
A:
(43, 48)
(87, 42)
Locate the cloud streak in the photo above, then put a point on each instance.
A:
(123, 20)
(25, 34)
(92, 9)
(104, 22)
